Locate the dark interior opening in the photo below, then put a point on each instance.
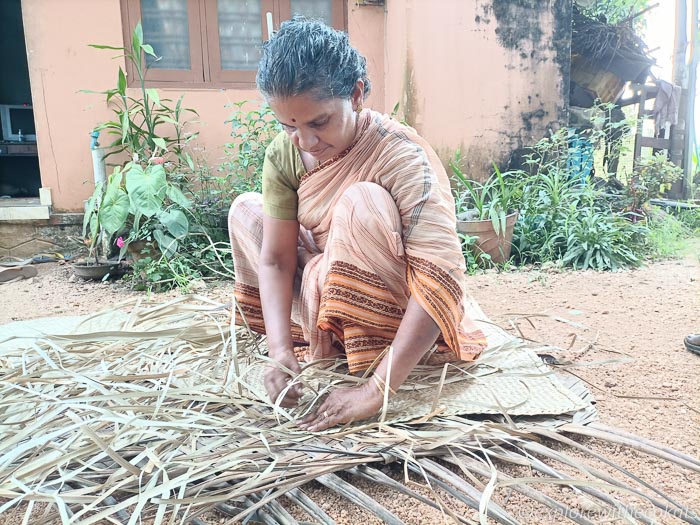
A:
(19, 162)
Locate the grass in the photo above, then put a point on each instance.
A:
(672, 236)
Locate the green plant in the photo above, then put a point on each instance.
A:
(566, 217)
(105, 213)
(163, 196)
(602, 241)
(474, 261)
(691, 219)
(251, 131)
(140, 204)
(615, 11)
(139, 121)
(549, 198)
(667, 235)
(653, 177)
(493, 199)
(198, 259)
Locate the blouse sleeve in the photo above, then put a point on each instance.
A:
(279, 181)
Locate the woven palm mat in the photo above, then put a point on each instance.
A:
(158, 412)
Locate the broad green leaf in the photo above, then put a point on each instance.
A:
(137, 219)
(166, 243)
(121, 83)
(112, 124)
(146, 189)
(169, 120)
(137, 39)
(148, 50)
(115, 179)
(495, 222)
(175, 195)
(94, 225)
(114, 210)
(125, 126)
(93, 92)
(153, 95)
(190, 163)
(175, 221)
(160, 143)
(91, 208)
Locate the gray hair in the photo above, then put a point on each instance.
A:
(308, 56)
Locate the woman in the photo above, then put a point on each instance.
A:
(352, 246)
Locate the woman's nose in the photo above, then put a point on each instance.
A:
(307, 140)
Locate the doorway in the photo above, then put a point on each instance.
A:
(19, 162)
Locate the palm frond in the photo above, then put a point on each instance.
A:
(157, 412)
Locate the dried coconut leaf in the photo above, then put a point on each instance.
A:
(166, 419)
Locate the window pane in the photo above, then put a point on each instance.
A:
(165, 27)
(240, 33)
(313, 9)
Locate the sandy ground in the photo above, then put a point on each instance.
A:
(640, 314)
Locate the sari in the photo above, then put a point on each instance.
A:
(379, 219)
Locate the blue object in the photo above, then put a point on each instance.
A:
(580, 159)
(93, 141)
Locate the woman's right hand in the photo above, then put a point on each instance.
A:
(277, 379)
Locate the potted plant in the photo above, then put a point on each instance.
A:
(486, 211)
(105, 212)
(141, 206)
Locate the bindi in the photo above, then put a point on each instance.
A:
(294, 120)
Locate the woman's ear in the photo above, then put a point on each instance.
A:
(358, 93)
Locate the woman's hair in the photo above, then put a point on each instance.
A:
(308, 56)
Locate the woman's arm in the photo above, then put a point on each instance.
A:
(278, 266)
(416, 335)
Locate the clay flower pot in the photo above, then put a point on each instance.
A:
(498, 246)
(92, 271)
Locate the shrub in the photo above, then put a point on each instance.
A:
(565, 217)
(251, 131)
(601, 241)
(652, 177)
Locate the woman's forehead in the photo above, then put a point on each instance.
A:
(304, 108)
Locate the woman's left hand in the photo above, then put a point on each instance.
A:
(345, 405)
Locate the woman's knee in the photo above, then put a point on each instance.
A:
(243, 208)
(368, 203)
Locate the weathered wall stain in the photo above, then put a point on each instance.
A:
(520, 29)
(561, 42)
(492, 78)
(409, 96)
(518, 22)
(529, 116)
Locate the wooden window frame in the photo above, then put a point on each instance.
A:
(338, 13)
(205, 52)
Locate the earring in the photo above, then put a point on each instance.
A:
(358, 109)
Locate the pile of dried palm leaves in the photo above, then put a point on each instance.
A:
(601, 42)
(157, 413)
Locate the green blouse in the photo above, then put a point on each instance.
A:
(282, 171)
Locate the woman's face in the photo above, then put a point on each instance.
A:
(321, 128)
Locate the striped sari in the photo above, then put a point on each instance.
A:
(379, 219)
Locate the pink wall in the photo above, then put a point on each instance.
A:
(366, 30)
(456, 81)
(61, 63)
(466, 79)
